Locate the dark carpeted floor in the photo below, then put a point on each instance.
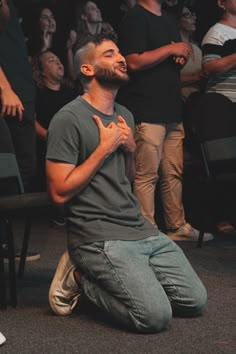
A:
(32, 328)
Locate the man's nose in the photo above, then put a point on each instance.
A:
(121, 59)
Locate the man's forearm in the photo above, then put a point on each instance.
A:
(219, 66)
(4, 83)
(156, 56)
(148, 59)
(65, 181)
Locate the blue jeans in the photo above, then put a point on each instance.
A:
(140, 283)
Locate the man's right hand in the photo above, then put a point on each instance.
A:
(110, 136)
(180, 49)
(11, 104)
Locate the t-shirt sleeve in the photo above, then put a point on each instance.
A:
(212, 46)
(63, 138)
(132, 36)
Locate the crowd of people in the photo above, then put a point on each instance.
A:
(99, 113)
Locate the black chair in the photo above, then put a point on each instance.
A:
(15, 202)
(214, 125)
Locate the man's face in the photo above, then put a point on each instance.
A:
(52, 68)
(109, 65)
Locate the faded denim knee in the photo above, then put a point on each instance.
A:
(153, 320)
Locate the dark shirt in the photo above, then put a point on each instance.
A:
(153, 94)
(49, 102)
(14, 59)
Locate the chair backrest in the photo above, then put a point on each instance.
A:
(9, 171)
(220, 149)
(214, 117)
(214, 125)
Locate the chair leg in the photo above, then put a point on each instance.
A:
(12, 268)
(3, 299)
(24, 246)
(200, 238)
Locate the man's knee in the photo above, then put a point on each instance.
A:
(153, 321)
(194, 305)
(200, 301)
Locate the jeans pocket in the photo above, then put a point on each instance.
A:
(103, 246)
(99, 244)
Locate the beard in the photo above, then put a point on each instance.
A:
(107, 77)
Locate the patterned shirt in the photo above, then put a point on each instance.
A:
(219, 42)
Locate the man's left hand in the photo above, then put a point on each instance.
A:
(128, 143)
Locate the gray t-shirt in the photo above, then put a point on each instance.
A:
(106, 208)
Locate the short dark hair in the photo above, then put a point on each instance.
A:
(95, 39)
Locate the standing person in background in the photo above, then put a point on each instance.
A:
(88, 22)
(219, 52)
(45, 35)
(17, 100)
(219, 63)
(191, 74)
(17, 96)
(150, 41)
(42, 35)
(51, 95)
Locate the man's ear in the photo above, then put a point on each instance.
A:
(87, 70)
(221, 4)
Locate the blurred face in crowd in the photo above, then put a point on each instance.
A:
(52, 68)
(130, 3)
(47, 21)
(171, 2)
(187, 20)
(92, 13)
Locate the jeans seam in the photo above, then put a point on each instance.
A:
(155, 270)
(120, 280)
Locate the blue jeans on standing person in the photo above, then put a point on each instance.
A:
(140, 283)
